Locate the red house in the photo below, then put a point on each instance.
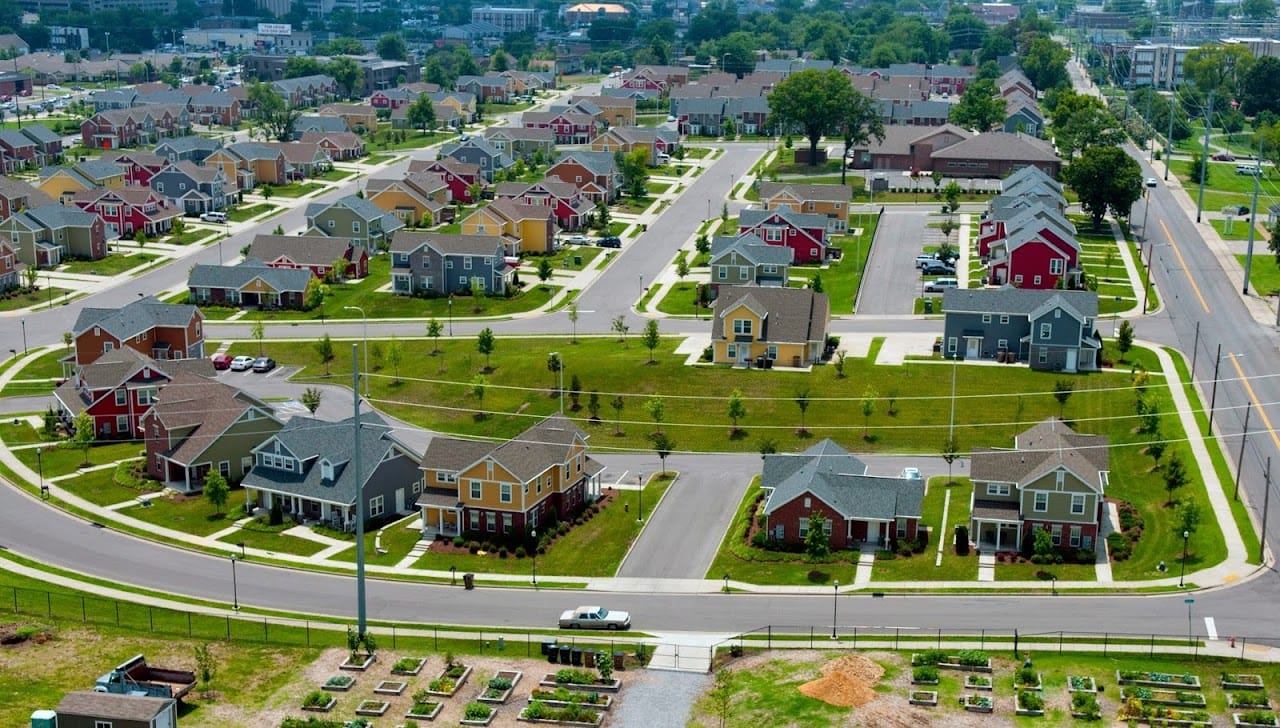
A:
(160, 330)
(570, 208)
(317, 252)
(1035, 255)
(595, 174)
(118, 388)
(570, 126)
(127, 211)
(804, 233)
(459, 176)
(139, 167)
(854, 507)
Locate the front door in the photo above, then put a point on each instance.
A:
(973, 348)
(399, 500)
(1071, 360)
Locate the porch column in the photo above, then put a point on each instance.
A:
(999, 533)
(324, 511)
(186, 476)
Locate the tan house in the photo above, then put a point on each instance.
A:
(250, 164)
(760, 325)
(611, 110)
(339, 144)
(62, 183)
(657, 143)
(815, 199)
(357, 116)
(523, 228)
(544, 474)
(419, 196)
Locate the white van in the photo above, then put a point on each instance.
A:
(939, 285)
(1246, 169)
(213, 216)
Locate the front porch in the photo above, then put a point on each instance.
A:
(307, 511)
(996, 526)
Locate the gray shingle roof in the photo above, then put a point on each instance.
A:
(110, 706)
(826, 193)
(407, 241)
(135, 317)
(1045, 447)
(319, 122)
(751, 217)
(56, 216)
(751, 247)
(1017, 301)
(304, 249)
(790, 315)
(829, 473)
(282, 280)
(1001, 146)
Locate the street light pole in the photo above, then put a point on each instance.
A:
(44, 489)
(1190, 630)
(835, 604)
(534, 533)
(235, 587)
(355, 460)
(24, 336)
(365, 322)
(1185, 535)
(560, 371)
(640, 498)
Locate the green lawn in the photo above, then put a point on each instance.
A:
(333, 175)
(39, 298)
(397, 540)
(111, 265)
(190, 514)
(188, 237)
(657, 188)
(565, 259)
(46, 369)
(1239, 230)
(100, 487)
(680, 300)
(20, 434)
(297, 189)
(634, 205)
(64, 460)
(268, 538)
(240, 214)
(375, 159)
(1264, 274)
(921, 567)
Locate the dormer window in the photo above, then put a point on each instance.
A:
(326, 471)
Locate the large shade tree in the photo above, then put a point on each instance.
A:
(813, 102)
(1105, 179)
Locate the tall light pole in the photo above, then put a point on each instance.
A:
(355, 460)
(1181, 574)
(534, 533)
(835, 604)
(1190, 630)
(235, 587)
(44, 489)
(24, 335)
(365, 321)
(640, 498)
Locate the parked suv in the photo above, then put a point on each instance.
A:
(936, 267)
(610, 242)
(213, 216)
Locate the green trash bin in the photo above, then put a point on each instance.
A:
(928, 305)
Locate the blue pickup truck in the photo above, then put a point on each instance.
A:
(135, 677)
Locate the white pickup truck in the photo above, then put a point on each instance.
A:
(594, 618)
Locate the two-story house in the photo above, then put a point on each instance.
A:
(544, 473)
(302, 159)
(48, 144)
(480, 153)
(17, 151)
(608, 110)
(491, 88)
(571, 210)
(212, 107)
(320, 254)
(353, 218)
(128, 211)
(201, 425)
(341, 145)
(568, 125)
(1050, 330)
(188, 148)
(134, 126)
(520, 142)
(16, 195)
(811, 199)
(1053, 478)
(462, 102)
(595, 174)
(854, 508)
(308, 466)
(465, 181)
(194, 189)
(43, 236)
(139, 166)
(766, 325)
(746, 260)
(249, 283)
(117, 389)
(524, 228)
(61, 183)
(250, 164)
(1036, 252)
(418, 197)
(657, 143)
(805, 233)
(305, 91)
(441, 264)
(161, 331)
(10, 267)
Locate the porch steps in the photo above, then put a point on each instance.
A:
(866, 567)
(415, 553)
(986, 567)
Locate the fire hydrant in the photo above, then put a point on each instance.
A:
(1232, 640)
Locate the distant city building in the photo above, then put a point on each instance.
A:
(587, 13)
(68, 37)
(509, 20)
(1158, 65)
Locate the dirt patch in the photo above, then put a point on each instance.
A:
(848, 681)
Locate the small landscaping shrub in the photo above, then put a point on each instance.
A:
(311, 722)
(925, 673)
(1027, 676)
(339, 681)
(980, 681)
(501, 684)
(1030, 700)
(442, 685)
(459, 542)
(455, 670)
(476, 711)
(973, 658)
(405, 664)
(1249, 700)
(575, 677)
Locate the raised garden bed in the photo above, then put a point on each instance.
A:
(318, 702)
(967, 660)
(1165, 680)
(924, 675)
(1081, 684)
(562, 697)
(1027, 679)
(923, 697)
(339, 683)
(580, 680)
(372, 707)
(977, 682)
(391, 687)
(1028, 702)
(1084, 706)
(450, 680)
(1241, 681)
(1254, 718)
(500, 686)
(478, 714)
(978, 703)
(424, 708)
(1174, 717)
(1248, 701)
(539, 712)
(1161, 696)
(408, 666)
(359, 666)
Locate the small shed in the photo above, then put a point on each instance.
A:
(87, 709)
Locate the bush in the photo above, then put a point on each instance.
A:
(1030, 700)
(316, 699)
(1121, 549)
(500, 683)
(929, 657)
(459, 542)
(1087, 705)
(973, 658)
(476, 711)
(1026, 676)
(575, 677)
(405, 664)
(1261, 717)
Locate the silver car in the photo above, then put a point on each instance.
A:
(594, 618)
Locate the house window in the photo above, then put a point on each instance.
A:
(491, 522)
(122, 423)
(804, 527)
(448, 264)
(1041, 503)
(771, 352)
(986, 318)
(997, 489)
(446, 476)
(1004, 318)
(742, 272)
(506, 523)
(742, 327)
(474, 520)
(902, 527)
(1002, 344)
(1056, 266)
(770, 270)
(1046, 331)
(773, 234)
(146, 396)
(504, 492)
(102, 724)
(466, 263)
(355, 227)
(376, 506)
(159, 187)
(1060, 477)
(951, 345)
(462, 281)
(122, 397)
(476, 490)
(808, 502)
(779, 532)
(731, 351)
(1043, 356)
(331, 224)
(1017, 280)
(1056, 533)
(1036, 281)
(224, 468)
(1077, 504)
(722, 272)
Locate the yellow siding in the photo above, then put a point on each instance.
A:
(59, 185)
(396, 201)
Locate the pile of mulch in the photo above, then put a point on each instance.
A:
(848, 682)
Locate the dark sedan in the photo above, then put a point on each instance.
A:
(264, 364)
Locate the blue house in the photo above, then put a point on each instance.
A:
(1051, 330)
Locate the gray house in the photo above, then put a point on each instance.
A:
(1049, 329)
(479, 152)
(187, 148)
(747, 260)
(355, 218)
(193, 188)
(249, 283)
(1023, 115)
(521, 143)
(308, 467)
(440, 264)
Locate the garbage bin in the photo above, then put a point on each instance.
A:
(548, 646)
(502, 644)
(469, 581)
(589, 658)
(564, 654)
(928, 305)
(575, 656)
(619, 660)
(577, 260)
(553, 654)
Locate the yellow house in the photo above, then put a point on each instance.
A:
(523, 228)
(410, 199)
(463, 105)
(754, 325)
(542, 476)
(811, 199)
(63, 182)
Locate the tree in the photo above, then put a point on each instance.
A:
(272, 114)
(311, 399)
(682, 267)
(206, 666)
(1105, 179)
(620, 327)
(702, 244)
(1188, 518)
(434, 330)
(484, 345)
(1257, 88)
(618, 404)
(593, 405)
(950, 451)
(421, 114)
(1124, 338)
(1218, 68)
(722, 691)
(980, 107)
(554, 365)
(216, 491)
(1045, 63)
(817, 544)
(346, 72)
(650, 338)
(859, 123)
(657, 410)
(1080, 122)
(802, 401)
(813, 102)
(544, 269)
(575, 391)
(572, 312)
(395, 355)
(1175, 475)
(324, 349)
(634, 166)
(391, 47)
(313, 296)
(478, 385)
(1062, 390)
(663, 445)
(951, 193)
(868, 409)
(602, 216)
(737, 409)
(815, 283)
(838, 362)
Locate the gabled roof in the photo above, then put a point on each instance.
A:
(522, 133)
(407, 241)
(54, 216)
(363, 209)
(1045, 447)
(135, 317)
(447, 164)
(237, 276)
(480, 145)
(1017, 301)
(998, 145)
(600, 163)
(300, 153)
(196, 172)
(15, 139)
(11, 188)
(249, 151)
(830, 474)
(789, 315)
(199, 411)
(301, 249)
(117, 366)
(188, 143)
(110, 706)
(319, 122)
(526, 456)
(804, 192)
(749, 218)
(752, 248)
(1031, 233)
(1029, 177)
(340, 139)
(515, 211)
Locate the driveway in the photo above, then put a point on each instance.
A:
(892, 282)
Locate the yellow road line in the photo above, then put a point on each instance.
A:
(1195, 289)
(1266, 421)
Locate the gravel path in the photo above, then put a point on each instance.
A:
(658, 698)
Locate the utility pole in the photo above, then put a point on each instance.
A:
(1146, 131)
(361, 620)
(1266, 503)
(1244, 439)
(1213, 397)
(1253, 218)
(1195, 352)
(1168, 140)
(1204, 156)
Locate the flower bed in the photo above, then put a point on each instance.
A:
(339, 683)
(1254, 718)
(562, 697)
(1157, 679)
(1028, 702)
(923, 697)
(424, 708)
(1159, 696)
(1084, 706)
(359, 665)
(1174, 716)
(977, 682)
(450, 680)
(1241, 681)
(391, 687)
(478, 714)
(372, 707)
(580, 680)
(499, 687)
(408, 666)
(539, 712)
(319, 702)
(1081, 684)
(978, 703)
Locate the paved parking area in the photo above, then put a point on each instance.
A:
(891, 283)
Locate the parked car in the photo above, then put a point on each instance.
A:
(241, 363)
(213, 216)
(221, 361)
(936, 267)
(610, 242)
(594, 618)
(1223, 157)
(911, 473)
(940, 284)
(264, 364)
(575, 240)
(1151, 181)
